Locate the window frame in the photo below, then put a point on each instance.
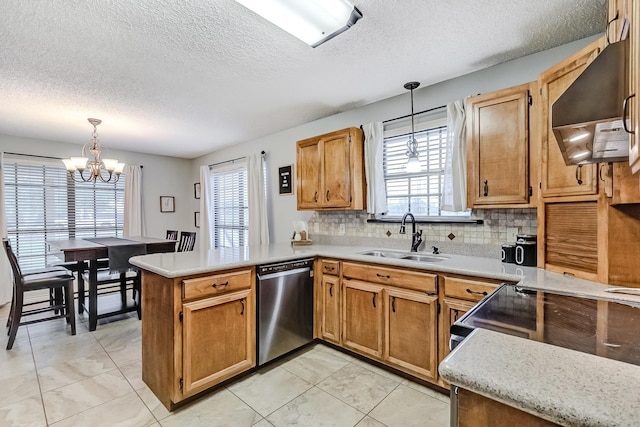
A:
(423, 123)
(26, 176)
(243, 211)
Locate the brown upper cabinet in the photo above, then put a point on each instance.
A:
(498, 144)
(557, 178)
(330, 171)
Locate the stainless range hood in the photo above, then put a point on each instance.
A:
(587, 118)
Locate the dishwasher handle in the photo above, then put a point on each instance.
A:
(286, 273)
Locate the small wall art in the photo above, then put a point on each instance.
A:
(285, 179)
(167, 204)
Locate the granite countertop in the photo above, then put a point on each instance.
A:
(558, 384)
(563, 386)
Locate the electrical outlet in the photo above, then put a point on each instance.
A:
(342, 229)
(511, 234)
(316, 227)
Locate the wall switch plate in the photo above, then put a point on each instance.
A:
(342, 229)
(511, 234)
(316, 227)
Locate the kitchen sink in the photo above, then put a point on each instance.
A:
(423, 258)
(404, 255)
(384, 254)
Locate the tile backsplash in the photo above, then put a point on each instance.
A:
(493, 231)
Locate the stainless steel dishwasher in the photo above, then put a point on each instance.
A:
(285, 308)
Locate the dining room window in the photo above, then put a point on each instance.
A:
(230, 216)
(43, 203)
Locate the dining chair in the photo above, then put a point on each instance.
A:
(46, 279)
(119, 279)
(187, 241)
(172, 234)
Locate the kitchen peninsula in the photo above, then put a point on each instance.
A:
(215, 293)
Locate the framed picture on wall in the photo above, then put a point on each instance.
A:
(196, 190)
(167, 204)
(285, 179)
(196, 219)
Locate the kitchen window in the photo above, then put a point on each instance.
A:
(230, 216)
(43, 203)
(417, 192)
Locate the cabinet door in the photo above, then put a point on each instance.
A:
(411, 332)
(336, 171)
(452, 310)
(330, 308)
(308, 173)
(558, 179)
(362, 317)
(228, 319)
(499, 147)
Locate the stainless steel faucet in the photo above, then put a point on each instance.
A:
(416, 237)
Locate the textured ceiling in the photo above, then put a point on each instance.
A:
(186, 78)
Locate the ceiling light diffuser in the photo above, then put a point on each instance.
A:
(312, 21)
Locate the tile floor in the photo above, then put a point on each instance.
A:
(51, 378)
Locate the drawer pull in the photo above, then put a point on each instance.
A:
(327, 195)
(374, 300)
(326, 267)
(242, 311)
(486, 188)
(331, 290)
(222, 285)
(315, 197)
(382, 276)
(393, 304)
(483, 293)
(579, 174)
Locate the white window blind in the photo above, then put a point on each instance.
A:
(416, 192)
(230, 204)
(42, 203)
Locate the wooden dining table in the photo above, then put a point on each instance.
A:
(83, 252)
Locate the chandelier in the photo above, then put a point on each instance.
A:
(96, 166)
(413, 161)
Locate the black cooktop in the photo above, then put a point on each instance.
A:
(602, 327)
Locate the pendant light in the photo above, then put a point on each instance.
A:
(413, 161)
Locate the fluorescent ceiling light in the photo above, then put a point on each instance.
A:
(312, 21)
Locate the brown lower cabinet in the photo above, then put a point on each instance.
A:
(198, 331)
(473, 410)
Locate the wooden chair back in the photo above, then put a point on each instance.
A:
(172, 234)
(187, 241)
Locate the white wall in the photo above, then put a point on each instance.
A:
(162, 176)
(280, 147)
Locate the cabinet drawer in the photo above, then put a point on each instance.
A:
(215, 284)
(418, 281)
(330, 267)
(467, 289)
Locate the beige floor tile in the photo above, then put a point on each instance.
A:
(19, 387)
(122, 341)
(72, 399)
(58, 327)
(267, 390)
(133, 373)
(380, 371)
(222, 408)
(406, 407)
(26, 412)
(426, 390)
(54, 349)
(21, 347)
(314, 365)
(155, 406)
(262, 423)
(332, 351)
(16, 366)
(73, 370)
(359, 387)
(125, 411)
(369, 422)
(315, 408)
